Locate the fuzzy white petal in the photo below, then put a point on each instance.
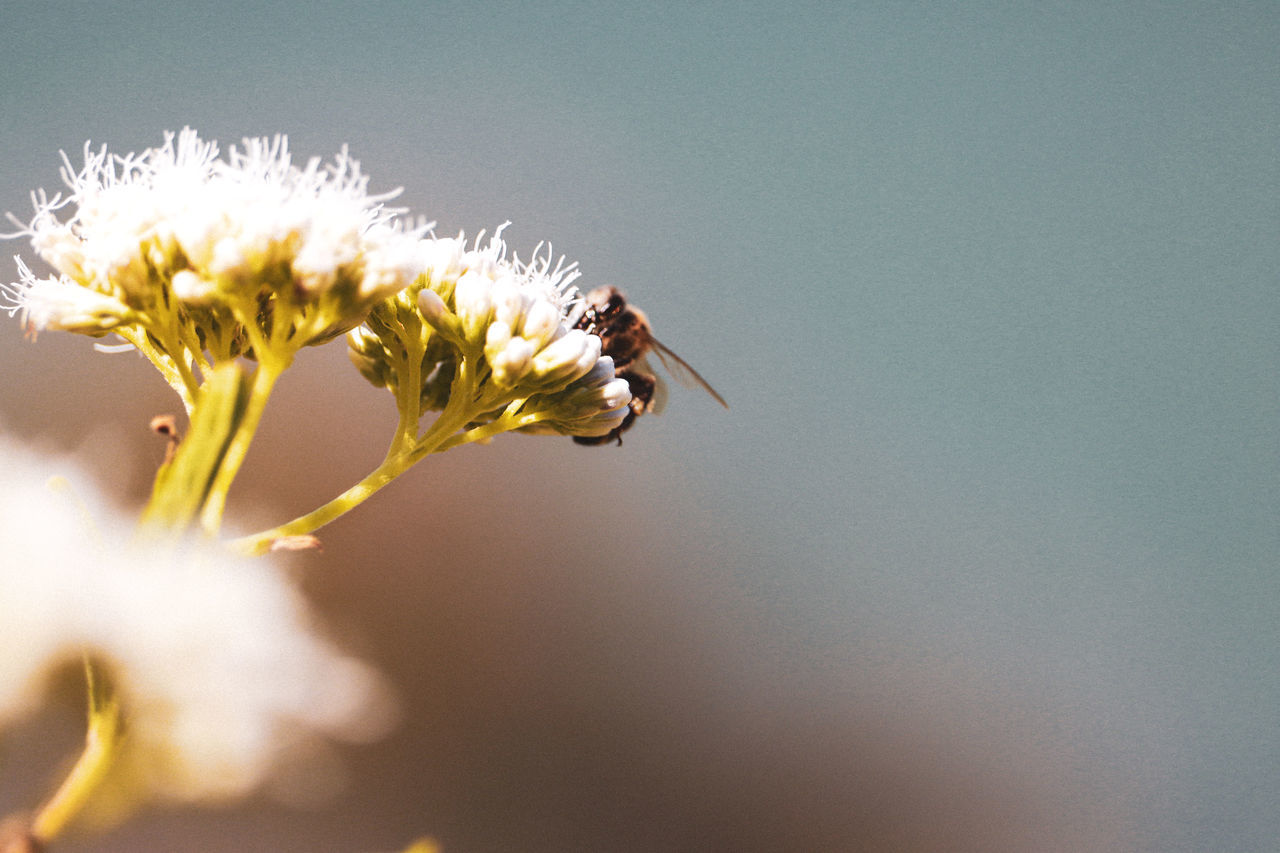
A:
(215, 658)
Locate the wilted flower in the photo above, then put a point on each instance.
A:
(215, 661)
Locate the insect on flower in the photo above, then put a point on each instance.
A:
(626, 337)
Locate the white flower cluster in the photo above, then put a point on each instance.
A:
(197, 259)
(219, 672)
(515, 313)
(176, 223)
(515, 319)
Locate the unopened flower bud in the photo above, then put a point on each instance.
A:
(512, 362)
(228, 258)
(433, 309)
(442, 261)
(561, 360)
(473, 302)
(509, 302)
(593, 405)
(497, 336)
(192, 289)
(369, 356)
(540, 322)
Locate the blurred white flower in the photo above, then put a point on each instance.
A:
(219, 670)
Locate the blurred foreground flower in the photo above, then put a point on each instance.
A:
(221, 678)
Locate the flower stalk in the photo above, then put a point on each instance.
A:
(401, 456)
(102, 741)
(194, 483)
(237, 446)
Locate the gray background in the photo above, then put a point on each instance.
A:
(982, 558)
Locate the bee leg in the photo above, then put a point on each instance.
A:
(643, 386)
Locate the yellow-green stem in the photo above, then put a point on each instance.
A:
(392, 467)
(181, 381)
(506, 423)
(460, 410)
(409, 394)
(264, 380)
(101, 740)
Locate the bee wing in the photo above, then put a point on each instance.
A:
(682, 372)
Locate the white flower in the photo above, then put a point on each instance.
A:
(217, 665)
(225, 231)
(60, 303)
(571, 355)
(443, 261)
(515, 322)
(593, 405)
(518, 314)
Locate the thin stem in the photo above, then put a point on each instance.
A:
(183, 382)
(391, 467)
(272, 361)
(457, 413)
(510, 420)
(101, 740)
(183, 484)
(179, 341)
(408, 388)
(191, 345)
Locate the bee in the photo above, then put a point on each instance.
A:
(626, 337)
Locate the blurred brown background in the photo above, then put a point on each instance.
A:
(580, 662)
